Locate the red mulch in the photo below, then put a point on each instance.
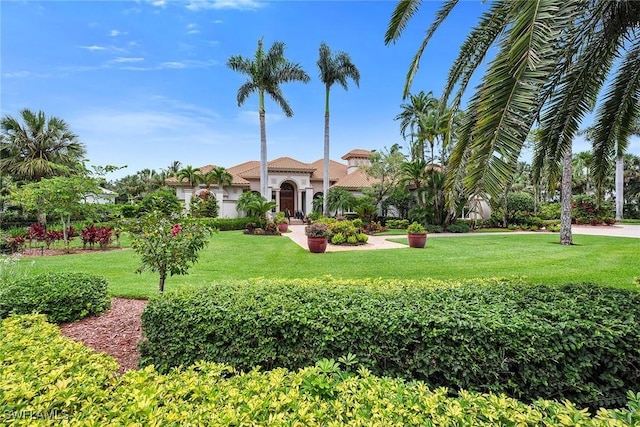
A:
(115, 332)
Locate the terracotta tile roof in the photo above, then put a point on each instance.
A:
(243, 167)
(357, 153)
(336, 170)
(289, 164)
(355, 180)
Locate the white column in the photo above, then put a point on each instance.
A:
(187, 199)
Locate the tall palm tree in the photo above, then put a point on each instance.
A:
(39, 147)
(553, 58)
(334, 68)
(191, 174)
(265, 72)
(412, 118)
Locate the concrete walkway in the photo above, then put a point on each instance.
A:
(381, 242)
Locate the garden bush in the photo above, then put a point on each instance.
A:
(459, 227)
(226, 224)
(63, 297)
(576, 342)
(46, 379)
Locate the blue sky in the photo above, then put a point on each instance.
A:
(144, 83)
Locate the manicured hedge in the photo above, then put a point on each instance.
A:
(576, 342)
(46, 379)
(226, 224)
(63, 297)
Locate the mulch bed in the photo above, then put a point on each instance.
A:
(115, 332)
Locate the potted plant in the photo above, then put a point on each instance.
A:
(317, 236)
(282, 222)
(417, 235)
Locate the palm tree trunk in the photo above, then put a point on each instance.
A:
(325, 175)
(565, 200)
(619, 188)
(263, 150)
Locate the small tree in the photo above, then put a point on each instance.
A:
(60, 196)
(167, 245)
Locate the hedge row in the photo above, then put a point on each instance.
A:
(63, 297)
(225, 224)
(48, 380)
(576, 342)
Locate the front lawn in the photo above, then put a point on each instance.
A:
(233, 255)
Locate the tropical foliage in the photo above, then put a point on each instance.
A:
(39, 147)
(553, 59)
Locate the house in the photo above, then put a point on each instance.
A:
(103, 197)
(292, 184)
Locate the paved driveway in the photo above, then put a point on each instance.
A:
(381, 242)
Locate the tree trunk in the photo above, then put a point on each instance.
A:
(565, 217)
(325, 176)
(263, 150)
(619, 188)
(163, 276)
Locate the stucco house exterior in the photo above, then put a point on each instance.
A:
(292, 184)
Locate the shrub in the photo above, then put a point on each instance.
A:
(338, 239)
(204, 205)
(415, 228)
(352, 240)
(362, 238)
(63, 297)
(576, 342)
(431, 228)
(397, 224)
(226, 224)
(459, 227)
(91, 235)
(42, 373)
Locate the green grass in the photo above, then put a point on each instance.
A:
(232, 255)
(630, 221)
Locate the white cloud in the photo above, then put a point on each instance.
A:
(23, 74)
(195, 5)
(158, 3)
(218, 21)
(116, 33)
(192, 29)
(123, 59)
(172, 64)
(93, 48)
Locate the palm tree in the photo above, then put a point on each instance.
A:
(191, 174)
(222, 177)
(39, 147)
(553, 58)
(246, 201)
(412, 116)
(265, 72)
(334, 68)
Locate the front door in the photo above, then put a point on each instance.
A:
(287, 198)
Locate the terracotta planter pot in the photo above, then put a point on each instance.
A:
(417, 240)
(317, 245)
(283, 227)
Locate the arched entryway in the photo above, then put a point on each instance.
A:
(287, 198)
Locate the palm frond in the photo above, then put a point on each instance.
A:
(617, 115)
(403, 12)
(276, 94)
(474, 50)
(507, 101)
(399, 19)
(247, 89)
